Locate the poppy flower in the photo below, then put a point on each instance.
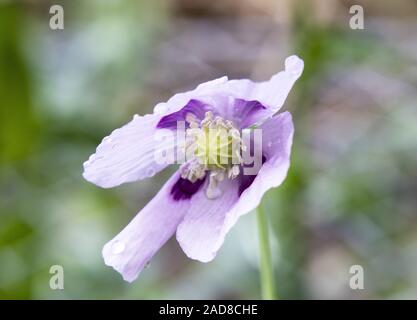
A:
(215, 185)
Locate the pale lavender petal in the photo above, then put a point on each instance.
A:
(200, 233)
(202, 92)
(130, 251)
(207, 222)
(271, 93)
(277, 136)
(221, 93)
(128, 153)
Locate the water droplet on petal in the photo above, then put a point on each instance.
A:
(135, 117)
(118, 247)
(150, 172)
(107, 139)
(294, 65)
(160, 108)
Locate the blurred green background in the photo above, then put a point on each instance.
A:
(351, 193)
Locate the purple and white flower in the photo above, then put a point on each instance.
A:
(205, 197)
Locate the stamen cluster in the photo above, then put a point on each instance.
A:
(212, 146)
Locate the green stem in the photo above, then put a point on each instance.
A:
(266, 270)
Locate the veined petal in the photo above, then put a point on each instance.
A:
(128, 153)
(130, 251)
(202, 92)
(200, 233)
(207, 222)
(271, 93)
(220, 93)
(277, 136)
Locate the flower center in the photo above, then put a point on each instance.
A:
(214, 145)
